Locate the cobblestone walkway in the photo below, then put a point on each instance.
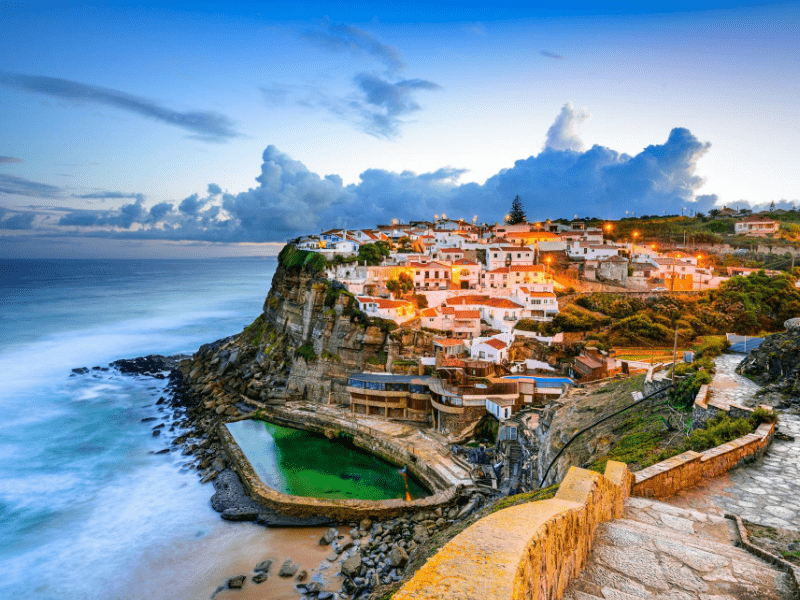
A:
(661, 552)
(728, 386)
(767, 491)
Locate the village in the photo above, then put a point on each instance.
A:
(483, 291)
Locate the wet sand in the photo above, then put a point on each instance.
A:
(195, 567)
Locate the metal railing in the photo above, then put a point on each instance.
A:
(596, 423)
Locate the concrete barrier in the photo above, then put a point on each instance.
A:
(530, 551)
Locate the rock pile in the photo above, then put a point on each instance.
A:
(775, 364)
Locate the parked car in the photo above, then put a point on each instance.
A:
(659, 289)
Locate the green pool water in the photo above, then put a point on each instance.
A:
(307, 464)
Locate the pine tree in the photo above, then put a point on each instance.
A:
(517, 214)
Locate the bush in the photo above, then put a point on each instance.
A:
(307, 352)
(718, 431)
(762, 415)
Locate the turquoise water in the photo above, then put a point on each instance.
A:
(307, 464)
(82, 498)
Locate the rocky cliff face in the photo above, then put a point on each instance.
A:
(775, 364)
(309, 338)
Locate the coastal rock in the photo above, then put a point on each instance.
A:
(260, 577)
(240, 514)
(288, 568)
(302, 576)
(236, 583)
(152, 365)
(352, 566)
(264, 566)
(397, 557)
(327, 537)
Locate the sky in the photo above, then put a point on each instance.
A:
(214, 129)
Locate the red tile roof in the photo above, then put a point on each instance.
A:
(468, 314)
(497, 344)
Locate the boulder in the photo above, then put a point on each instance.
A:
(236, 583)
(260, 577)
(264, 566)
(240, 514)
(288, 568)
(327, 537)
(397, 557)
(352, 566)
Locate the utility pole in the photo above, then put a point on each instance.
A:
(674, 354)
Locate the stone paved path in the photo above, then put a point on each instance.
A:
(728, 386)
(767, 491)
(662, 552)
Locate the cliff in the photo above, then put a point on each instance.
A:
(775, 364)
(308, 339)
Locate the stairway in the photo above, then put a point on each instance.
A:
(661, 552)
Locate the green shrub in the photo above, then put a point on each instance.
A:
(307, 352)
(762, 415)
(718, 431)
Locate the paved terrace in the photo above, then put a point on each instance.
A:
(766, 492)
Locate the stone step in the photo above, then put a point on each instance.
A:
(662, 552)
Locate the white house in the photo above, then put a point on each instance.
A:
(505, 256)
(756, 225)
(493, 350)
(590, 251)
(398, 311)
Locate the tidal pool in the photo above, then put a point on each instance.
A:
(303, 463)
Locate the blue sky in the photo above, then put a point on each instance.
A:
(204, 128)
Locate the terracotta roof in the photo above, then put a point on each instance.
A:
(468, 314)
(499, 270)
(470, 299)
(757, 219)
(528, 268)
(497, 344)
(464, 261)
(542, 294)
(448, 342)
(501, 303)
(429, 312)
(385, 303)
(452, 250)
(448, 310)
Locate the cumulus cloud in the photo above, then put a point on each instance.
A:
(563, 133)
(553, 55)
(204, 125)
(346, 38)
(8, 160)
(290, 200)
(9, 184)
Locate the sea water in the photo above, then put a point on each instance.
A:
(87, 509)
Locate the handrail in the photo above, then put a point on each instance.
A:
(606, 418)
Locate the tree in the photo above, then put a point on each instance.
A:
(373, 254)
(402, 285)
(517, 214)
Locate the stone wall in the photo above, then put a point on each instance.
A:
(690, 468)
(340, 509)
(706, 408)
(530, 551)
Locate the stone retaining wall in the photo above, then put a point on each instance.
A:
(339, 509)
(690, 468)
(530, 551)
(706, 407)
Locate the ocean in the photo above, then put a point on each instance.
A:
(87, 509)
